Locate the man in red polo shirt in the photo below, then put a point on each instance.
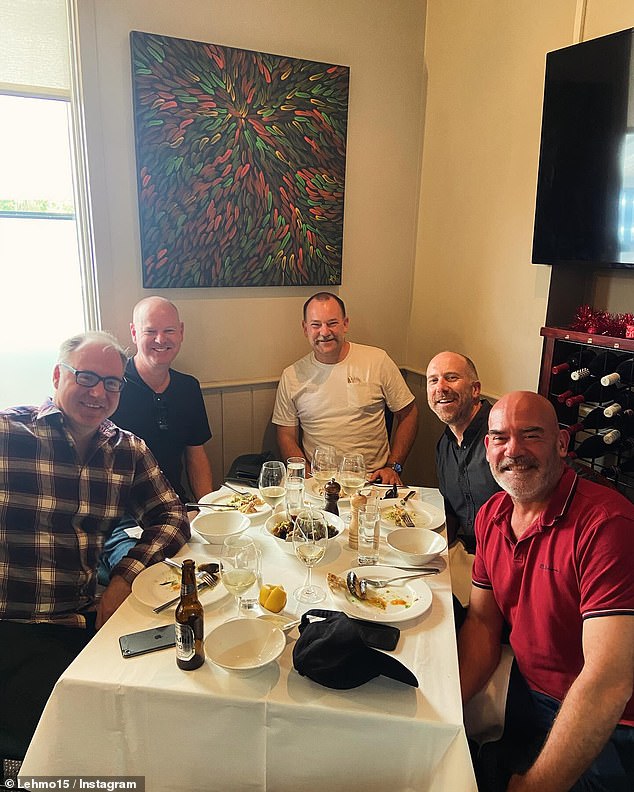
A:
(555, 560)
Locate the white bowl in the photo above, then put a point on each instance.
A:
(417, 546)
(276, 518)
(215, 526)
(244, 645)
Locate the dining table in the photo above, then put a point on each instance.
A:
(213, 729)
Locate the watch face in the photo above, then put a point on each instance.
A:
(397, 468)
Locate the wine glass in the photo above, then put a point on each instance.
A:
(310, 539)
(240, 562)
(352, 473)
(272, 483)
(324, 464)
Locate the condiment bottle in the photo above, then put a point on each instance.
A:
(356, 502)
(190, 650)
(331, 492)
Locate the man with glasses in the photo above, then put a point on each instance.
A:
(165, 407)
(67, 476)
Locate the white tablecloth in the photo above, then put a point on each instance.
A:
(275, 730)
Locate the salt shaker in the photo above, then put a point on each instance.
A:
(356, 502)
(331, 492)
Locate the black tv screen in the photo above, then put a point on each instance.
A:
(585, 188)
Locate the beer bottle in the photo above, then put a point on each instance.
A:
(190, 651)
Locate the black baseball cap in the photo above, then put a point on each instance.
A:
(332, 651)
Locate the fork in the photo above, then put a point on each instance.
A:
(382, 583)
(405, 516)
(206, 581)
(240, 492)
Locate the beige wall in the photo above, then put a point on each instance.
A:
(243, 334)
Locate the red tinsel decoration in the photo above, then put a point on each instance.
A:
(595, 322)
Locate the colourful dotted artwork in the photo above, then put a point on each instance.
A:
(240, 165)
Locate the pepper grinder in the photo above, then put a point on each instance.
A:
(331, 491)
(356, 502)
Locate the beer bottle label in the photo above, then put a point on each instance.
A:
(185, 642)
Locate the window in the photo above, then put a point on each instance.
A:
(45, 281)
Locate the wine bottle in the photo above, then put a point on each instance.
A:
(597, 445)
(623, 374)
(626, 468)
(600, 364)
(580, 359)
(565, 395)
(595, 419)
(624, 422)
(595, 392)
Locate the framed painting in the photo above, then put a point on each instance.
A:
(240, 161)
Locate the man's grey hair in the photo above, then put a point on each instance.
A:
(90, 337)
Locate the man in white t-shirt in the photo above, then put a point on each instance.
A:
(338, 393)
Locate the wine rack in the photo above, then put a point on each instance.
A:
(581, 399)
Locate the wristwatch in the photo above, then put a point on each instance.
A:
(398, 469)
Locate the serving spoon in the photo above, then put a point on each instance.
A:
(358, 586)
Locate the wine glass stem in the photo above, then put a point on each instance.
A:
(238, 601)
(309, 580)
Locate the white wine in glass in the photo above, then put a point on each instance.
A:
(310, 540)
(240, 564)
(352, 473)
(324, 464)
(238, 581)
(272, 483)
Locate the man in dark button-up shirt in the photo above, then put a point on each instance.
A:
(464, 476)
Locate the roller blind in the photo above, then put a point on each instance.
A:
(34, 55)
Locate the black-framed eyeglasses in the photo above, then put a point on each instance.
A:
(160, 411)
(88, 379)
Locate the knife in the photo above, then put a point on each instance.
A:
(165, 605)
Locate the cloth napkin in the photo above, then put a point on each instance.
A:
(333, 653)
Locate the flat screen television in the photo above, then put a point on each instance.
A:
(585, 189)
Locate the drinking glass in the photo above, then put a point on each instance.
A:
(369, 534)
(310, 539)
(324, 464)
(352, 473)
(294, 496)
(240, 566)
(296, 467)
(272, 483)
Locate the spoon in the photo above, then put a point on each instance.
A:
(358, 586)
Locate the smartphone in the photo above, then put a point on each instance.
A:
(379, 636)
(145, 641)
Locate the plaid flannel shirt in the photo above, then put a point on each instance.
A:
(56, 511)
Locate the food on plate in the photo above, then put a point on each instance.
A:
(247, 503)
(284, 530)
(397, 515)
(273, 598)
(339, 584)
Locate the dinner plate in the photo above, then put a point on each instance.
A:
(160, 583)
(424, 514)
(226, 497)
(416, 593)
